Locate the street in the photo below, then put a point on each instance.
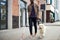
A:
(52, 33)
(17, 15)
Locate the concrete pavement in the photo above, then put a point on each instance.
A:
(52, 24)
(52, 33)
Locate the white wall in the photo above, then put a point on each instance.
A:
(9, 14)
(58, 7)
(50, 7)
(56, 15)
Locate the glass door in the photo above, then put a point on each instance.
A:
(22, 17)
(23, 14)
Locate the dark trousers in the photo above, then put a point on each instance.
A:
(32, 20)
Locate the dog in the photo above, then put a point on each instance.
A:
(42, 30)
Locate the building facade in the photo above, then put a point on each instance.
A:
(50, 15)
(14, 13)
(58, 9)
(54, 10)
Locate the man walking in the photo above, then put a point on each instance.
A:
(33, 14)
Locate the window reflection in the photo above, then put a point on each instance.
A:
(3, 15)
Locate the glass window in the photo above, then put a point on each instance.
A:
(3, 14)
(46, 1)
(4, 0)
(22, 4)
(50, 1)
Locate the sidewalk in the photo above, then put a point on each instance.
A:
(52, 24)
(52, 33)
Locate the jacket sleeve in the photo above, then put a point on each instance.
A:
(38, 14)
(28, 11)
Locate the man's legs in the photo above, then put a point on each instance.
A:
(35, 25)
(30, 25)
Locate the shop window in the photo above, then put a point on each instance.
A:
(3, 14)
